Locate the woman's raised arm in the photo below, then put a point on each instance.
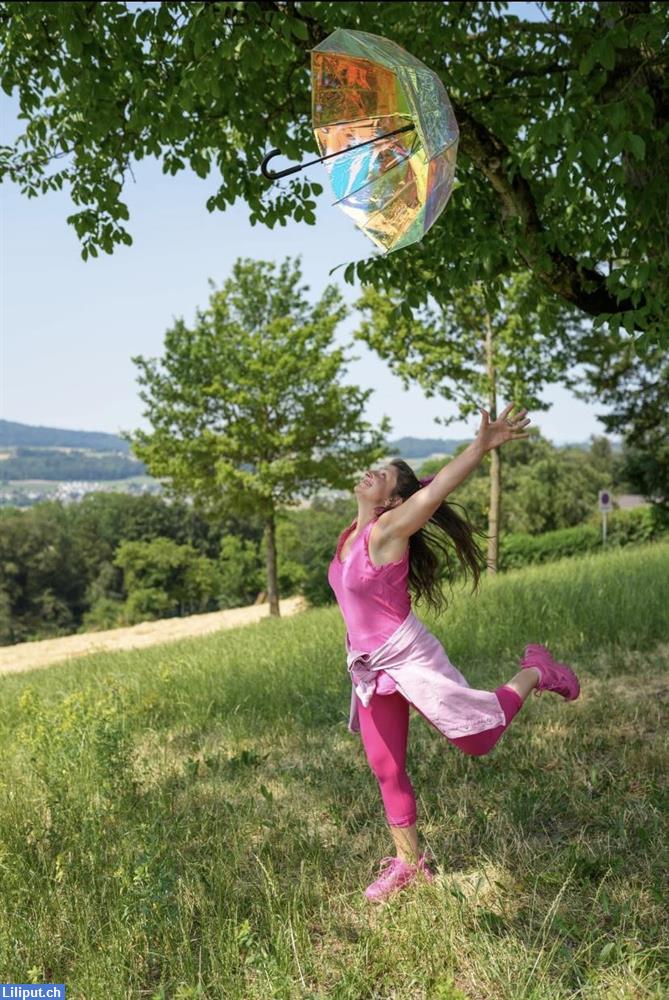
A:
(414, 513)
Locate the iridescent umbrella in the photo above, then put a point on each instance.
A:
(395, 183)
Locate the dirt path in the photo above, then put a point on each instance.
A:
(44, 652)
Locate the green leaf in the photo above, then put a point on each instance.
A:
(201, 43)
(571, 152)
(587, 61)
(607, 53)
(628, 321)
(638, 33)
(643, 344)
(617, 143)
(550, 131)
(299, 29)
(618, 114)
(637, 145)
(349, 273)
(614, 324)
(144, 23)
(606, 950)
(591, 152)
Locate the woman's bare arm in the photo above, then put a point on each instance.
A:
(414, 513)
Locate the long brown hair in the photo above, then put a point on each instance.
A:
(425, 579)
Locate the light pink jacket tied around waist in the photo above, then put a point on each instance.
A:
(418, 667)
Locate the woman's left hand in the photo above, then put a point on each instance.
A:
(493, 433)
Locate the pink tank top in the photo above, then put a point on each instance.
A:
(373, 600)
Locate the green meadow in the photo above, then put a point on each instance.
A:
(196, 820)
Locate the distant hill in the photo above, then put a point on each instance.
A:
(412, 447)
(16, 435)
(60, 466)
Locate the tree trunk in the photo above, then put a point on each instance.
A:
(494, 511)
(272, 593)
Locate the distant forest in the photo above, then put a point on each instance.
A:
(44, 463)
(24, 435)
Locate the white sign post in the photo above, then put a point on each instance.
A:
(606, 506)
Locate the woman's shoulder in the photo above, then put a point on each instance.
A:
(383, 548)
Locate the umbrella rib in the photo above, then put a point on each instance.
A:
(351, 121)
(370, 218)
(367, 183)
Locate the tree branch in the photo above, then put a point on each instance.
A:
(565, 276)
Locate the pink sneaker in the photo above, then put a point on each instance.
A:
(397, 874)
(555, 676)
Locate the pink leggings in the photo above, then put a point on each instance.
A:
(384, 726)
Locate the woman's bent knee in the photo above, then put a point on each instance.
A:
(473, 752)
(477, 745)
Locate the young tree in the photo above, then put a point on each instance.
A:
(245, 407)
(562, 161)
(474, 351)
(162, 578)
(637, 394)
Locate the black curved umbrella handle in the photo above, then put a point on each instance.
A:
(272, 175)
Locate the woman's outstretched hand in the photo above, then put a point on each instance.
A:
(493, 433)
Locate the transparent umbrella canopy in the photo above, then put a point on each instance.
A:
(387, 135)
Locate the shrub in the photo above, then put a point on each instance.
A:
(105, 613)
(624, 527)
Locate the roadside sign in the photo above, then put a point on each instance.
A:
(605, 501)
(605, 506)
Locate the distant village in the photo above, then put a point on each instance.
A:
(25, 495)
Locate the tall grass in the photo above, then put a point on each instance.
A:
(196, 820)
(600, 601)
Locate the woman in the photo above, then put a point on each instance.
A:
(392, 658)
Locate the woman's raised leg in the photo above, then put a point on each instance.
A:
(524, 681)
(511, 697)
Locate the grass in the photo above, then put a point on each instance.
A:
(195, 820)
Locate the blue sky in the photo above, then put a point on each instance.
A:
(68, 328)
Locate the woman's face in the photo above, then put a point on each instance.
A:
(377, 485)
